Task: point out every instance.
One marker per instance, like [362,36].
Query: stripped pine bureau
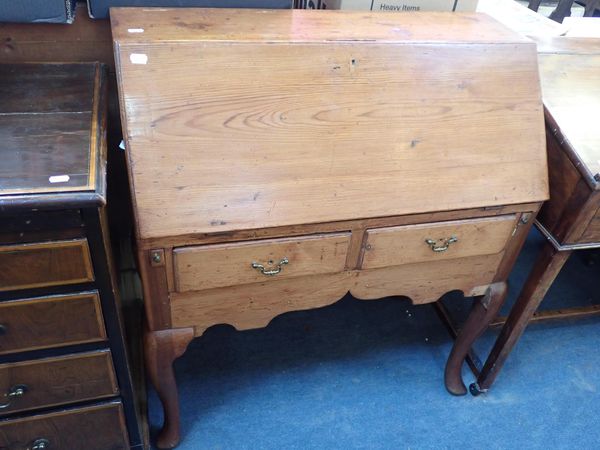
[281,159]
[64,376]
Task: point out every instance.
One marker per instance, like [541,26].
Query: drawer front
[98,427]
[211,266]
[56,381]
[45,264]
[409,244]
[50,322]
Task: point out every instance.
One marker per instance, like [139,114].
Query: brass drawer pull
[40,444]
[444,246]
[16,391]
[270,272]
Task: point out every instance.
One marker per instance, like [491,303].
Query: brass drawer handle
[444,246]
[14,392]
[270,272]
[40,444]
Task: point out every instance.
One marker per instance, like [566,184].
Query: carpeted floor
[369,374]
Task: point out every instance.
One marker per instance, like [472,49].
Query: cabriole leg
[161,349]
[484,310]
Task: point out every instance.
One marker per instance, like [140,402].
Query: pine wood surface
[404,245]
[211,266]
[251,149]
[255,305]
[247,25]
[571,92]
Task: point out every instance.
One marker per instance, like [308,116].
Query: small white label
[138,58]
[59,179]
[135,30]
[122,145]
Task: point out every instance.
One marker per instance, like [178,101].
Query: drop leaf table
[281,159]
[570,220]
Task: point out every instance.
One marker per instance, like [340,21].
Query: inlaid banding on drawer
[45,264]
[57,381]
[97,427]
[408,244]
[211,266]
[53,321]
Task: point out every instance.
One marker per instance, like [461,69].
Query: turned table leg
[545,270]
[161,349]
[484,310]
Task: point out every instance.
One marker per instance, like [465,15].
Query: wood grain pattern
[213,266]
[206,24]
[572,98]
[394,246]
[338,120]
[98,427]
[45,264]
[83,40]
[60,380]
[331,227]
[564,177]
[592,232]
[52,321]
[255,305]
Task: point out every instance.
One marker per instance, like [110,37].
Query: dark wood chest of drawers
[64,375]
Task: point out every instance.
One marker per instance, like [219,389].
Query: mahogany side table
[570,220]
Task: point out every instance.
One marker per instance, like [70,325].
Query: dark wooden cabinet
[64,374]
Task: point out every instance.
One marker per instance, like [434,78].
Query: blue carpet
[369,375]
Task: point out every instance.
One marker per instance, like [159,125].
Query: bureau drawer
[211,266]
[50,322]
[408,244]
[44,264]
[56,381]
[98,427]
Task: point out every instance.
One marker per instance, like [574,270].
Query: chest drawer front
[211,266]
[56,381]
[45,264]
[409,244]
[99,427]
[50,322]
